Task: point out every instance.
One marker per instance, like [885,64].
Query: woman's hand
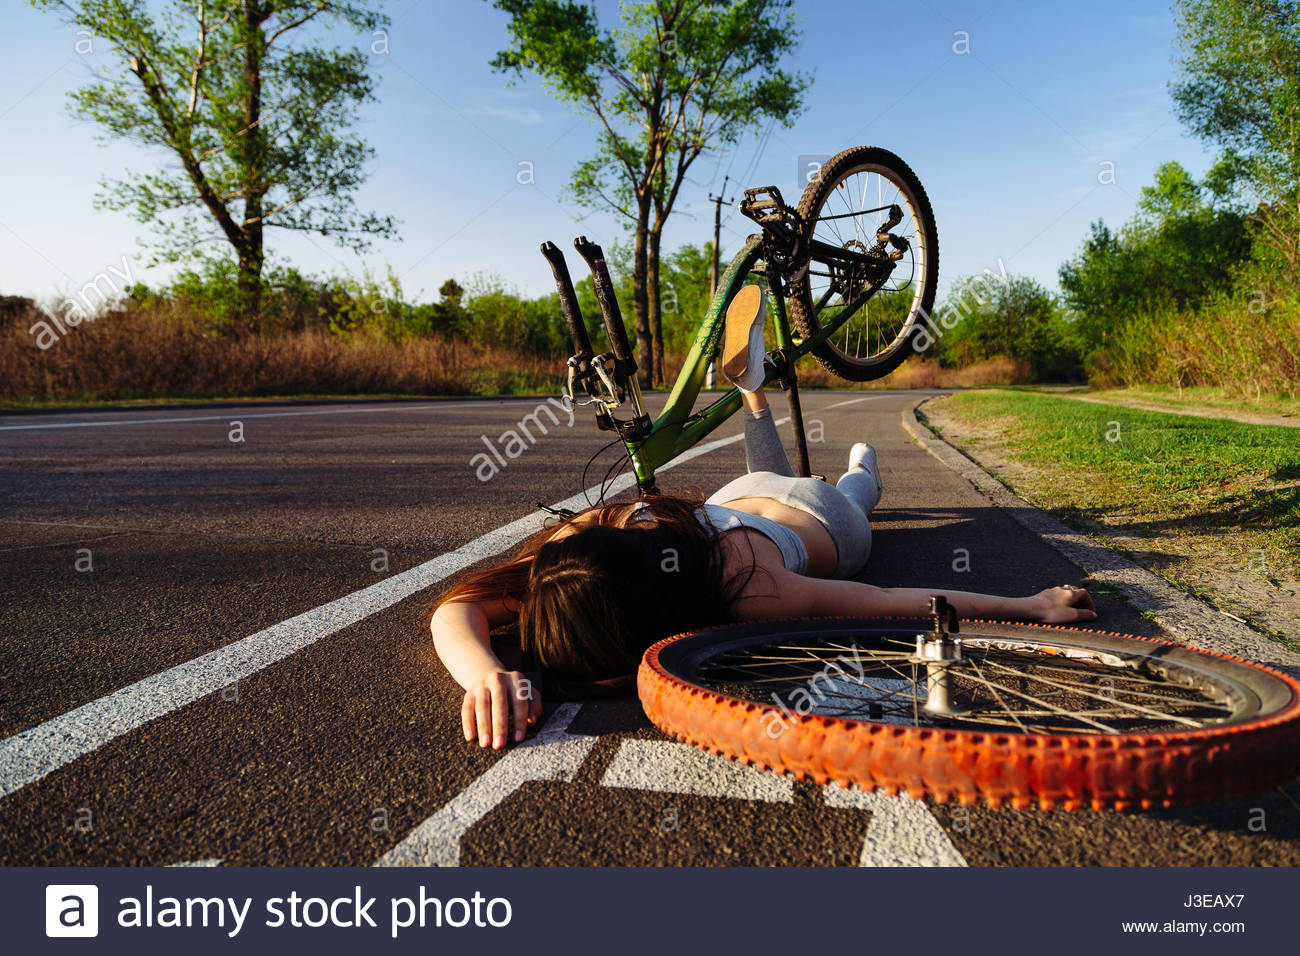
[493,700]
[1064,605]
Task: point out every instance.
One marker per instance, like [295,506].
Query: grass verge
[1213,506]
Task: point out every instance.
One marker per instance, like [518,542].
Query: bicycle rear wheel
[1051,716]
[846,206]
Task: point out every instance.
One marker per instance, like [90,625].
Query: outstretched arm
[807,596]
[493,695]
[775,592]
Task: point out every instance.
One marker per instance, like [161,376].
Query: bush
[1233,341]
[1015,320]
[1185,242]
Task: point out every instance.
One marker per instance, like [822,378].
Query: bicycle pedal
[763,204]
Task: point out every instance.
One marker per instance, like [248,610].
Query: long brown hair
[593,601]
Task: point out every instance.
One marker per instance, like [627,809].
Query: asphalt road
[214,651]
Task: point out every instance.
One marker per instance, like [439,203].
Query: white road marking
[216,861]
[902,831]
[670,767]
[236,413]
[552,755]
[33,753]
[853,401]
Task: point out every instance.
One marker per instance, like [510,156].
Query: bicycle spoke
[1024,689]
[1137,693]
[1015,717]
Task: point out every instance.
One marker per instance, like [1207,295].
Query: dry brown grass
[1225,344]
[924,373]
[134,355]
[150,354]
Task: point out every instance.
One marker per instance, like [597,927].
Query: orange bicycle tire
[1066,771]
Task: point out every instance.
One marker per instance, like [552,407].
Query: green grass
[1162,462]
[1212,506]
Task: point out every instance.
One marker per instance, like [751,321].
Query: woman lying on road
[591,595]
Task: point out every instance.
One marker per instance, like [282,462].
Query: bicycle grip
[609,309]
[569,302]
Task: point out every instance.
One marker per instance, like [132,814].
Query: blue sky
[1008,139]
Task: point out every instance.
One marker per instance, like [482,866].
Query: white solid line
[237,414]
[551,755]
[902,831]
[852,401]
[33,753]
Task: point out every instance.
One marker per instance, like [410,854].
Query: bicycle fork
[608,379]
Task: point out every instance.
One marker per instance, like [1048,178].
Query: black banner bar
[629,911]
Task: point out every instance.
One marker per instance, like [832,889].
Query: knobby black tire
[815,196]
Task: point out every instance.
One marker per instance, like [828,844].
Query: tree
[1018,319]
[255,129]
[1240,88]
[1185,242]
[679,78]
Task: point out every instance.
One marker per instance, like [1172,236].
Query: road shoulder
[1185,619]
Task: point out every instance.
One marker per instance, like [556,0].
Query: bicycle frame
[677,429]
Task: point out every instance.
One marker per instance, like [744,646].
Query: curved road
[214,652]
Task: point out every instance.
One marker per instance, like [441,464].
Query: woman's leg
[861,483]
[744,363]
[763,448]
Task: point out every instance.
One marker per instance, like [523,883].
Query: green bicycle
[857,263]
[999,712]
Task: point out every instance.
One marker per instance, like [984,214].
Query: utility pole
[710,377]
[717,230]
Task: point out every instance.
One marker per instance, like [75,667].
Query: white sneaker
[863,456]
[743,355]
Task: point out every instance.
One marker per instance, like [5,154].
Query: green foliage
[205,298]
[369,307]
[685,294]
[1237,341]
[447,317]
[685,78]
[1198,289]
[255,129]
[1181,246]
[1013,317]
[500,315]
[1240,88]
[677,78]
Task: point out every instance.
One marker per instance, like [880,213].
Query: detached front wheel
[1030,714]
